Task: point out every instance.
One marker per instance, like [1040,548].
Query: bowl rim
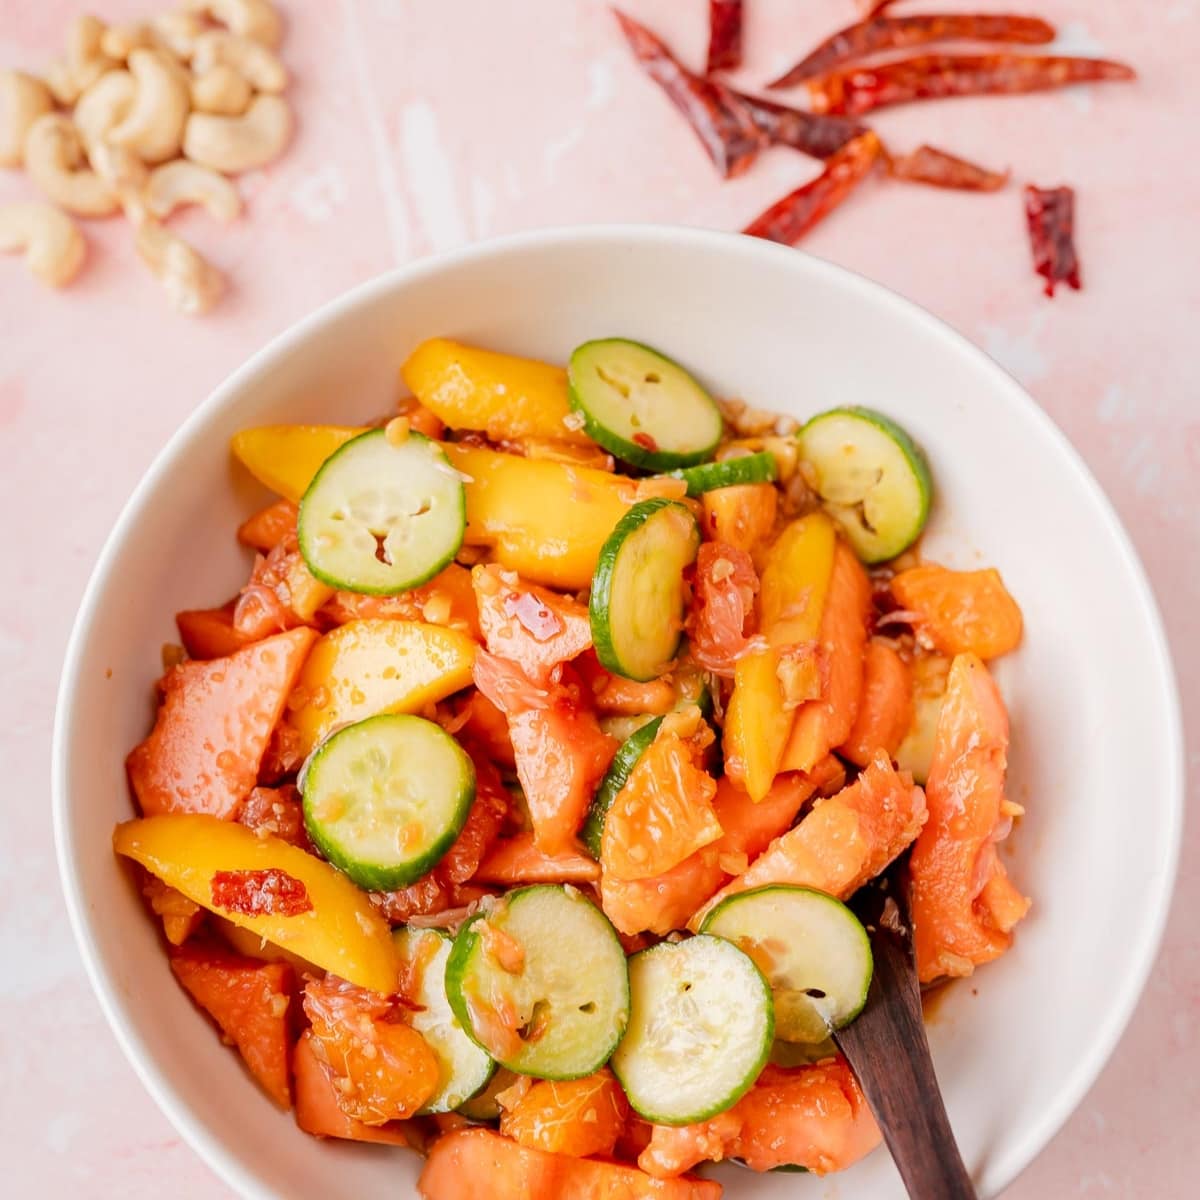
[1009,1161]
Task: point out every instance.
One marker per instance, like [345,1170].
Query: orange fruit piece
[580,1117]
[664,812]
[961,612]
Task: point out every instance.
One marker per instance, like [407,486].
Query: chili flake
[259,893]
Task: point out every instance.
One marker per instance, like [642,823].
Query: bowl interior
[1095,724]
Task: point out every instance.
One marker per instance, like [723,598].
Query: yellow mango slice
[794,585]
[375,666]
[286,457]
[507,398]
[342,932]
[545,520]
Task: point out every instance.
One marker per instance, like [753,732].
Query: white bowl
[1097,747]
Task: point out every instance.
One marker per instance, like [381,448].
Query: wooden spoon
[887,1049]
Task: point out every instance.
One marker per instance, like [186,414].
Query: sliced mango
[286,457]
[342,931]
[375,666]
[795,582]
[545,520]
[506,397]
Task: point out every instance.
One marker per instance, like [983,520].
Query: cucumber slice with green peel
[485,1106]
[700,1030]
[641,406]
[464,1065]
[385,798]
[871,477]
[812,949]
[615,778]
[380,517]
[552,963]
[624,727]
[637,599]
[693,685]
[729,472]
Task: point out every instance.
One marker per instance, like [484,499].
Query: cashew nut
[221,90]
[117,41]
[104,105]
[178,31]
[234,144]
[193,285]
[85,58]
[181,182]
[153,127]
[54,158]
[54,248]
[125,173]
[61,81]
[23,98]
[252,60]
[255,19]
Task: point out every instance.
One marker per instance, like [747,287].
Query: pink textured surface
[425,125]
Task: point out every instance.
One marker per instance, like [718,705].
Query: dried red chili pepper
[817,134]
[260,893]
[789,219]
[858,90]
[724,35]
[723,123]
[1050,214]
[869,8]
[927,164]
[877,34]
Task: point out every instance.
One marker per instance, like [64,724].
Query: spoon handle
[888,1051]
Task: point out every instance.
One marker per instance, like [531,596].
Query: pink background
[425,124]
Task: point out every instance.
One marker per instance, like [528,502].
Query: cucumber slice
[623,727]
[385,798]
[637,599]
[570,997]
[641,406]
[465,1066]
[871,477]
[700,1029]
[615,778]
[812,949]
[380,518]
[729,472]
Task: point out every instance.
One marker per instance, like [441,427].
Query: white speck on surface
[483,206]
[556,149]
[601,85]
[1020,353]
[1140,462]
[1074,37]
[318,196]
[61,1129]
[385,169]
[1114,405]
[430,177]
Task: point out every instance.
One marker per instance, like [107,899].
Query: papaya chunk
[251,1001]
[213,727]
[469,1163]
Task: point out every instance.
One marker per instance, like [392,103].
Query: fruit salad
[509,812]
